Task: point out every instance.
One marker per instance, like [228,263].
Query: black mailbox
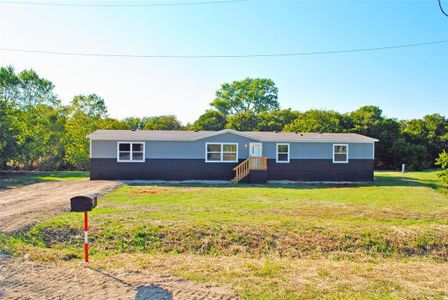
[83,203]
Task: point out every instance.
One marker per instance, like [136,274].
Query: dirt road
[27,205]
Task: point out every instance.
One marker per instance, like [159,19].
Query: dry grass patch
[282,278]
[154,190]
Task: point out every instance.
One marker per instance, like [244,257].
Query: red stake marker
[86,238]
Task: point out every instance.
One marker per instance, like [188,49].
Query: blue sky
[405,83]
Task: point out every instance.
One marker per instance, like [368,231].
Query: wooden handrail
[252,163]
[242,170]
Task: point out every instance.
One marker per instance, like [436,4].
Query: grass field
[385,239]
[10,180]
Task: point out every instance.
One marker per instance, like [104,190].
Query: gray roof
[262,136]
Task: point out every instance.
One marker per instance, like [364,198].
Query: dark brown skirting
[198,169]
[321,170]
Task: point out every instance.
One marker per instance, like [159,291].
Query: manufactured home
[228,154]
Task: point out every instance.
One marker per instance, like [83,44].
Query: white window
[130,152]
[282,153]
[221,152]
[340,153]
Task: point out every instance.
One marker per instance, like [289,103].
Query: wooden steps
[252,163]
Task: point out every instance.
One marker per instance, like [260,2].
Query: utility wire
[441,8]
[191,3]
[285,54]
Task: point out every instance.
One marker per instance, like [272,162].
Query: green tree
[245,121]
[392,150]
[39,141]
[188,126]
[239,97]
[91,105]
[365,117]
[430,131]
[34,90]
[415,156]
[76,144]
[110,123]
[135,123]
[26,89]
[442,161]
[167,122]
[315,120]
[38,119]
[275,120]
[210,120]
[9,82]
[8,133]
[87,114]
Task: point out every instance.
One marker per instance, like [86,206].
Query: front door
[255,149]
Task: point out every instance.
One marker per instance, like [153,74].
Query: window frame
[131,160]
[221,153]
[277,153]
[347,157]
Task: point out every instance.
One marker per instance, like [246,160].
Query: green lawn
[385,239]
[14,179]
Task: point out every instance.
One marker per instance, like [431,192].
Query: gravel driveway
[21,207]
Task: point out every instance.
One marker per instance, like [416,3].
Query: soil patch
[24,279]
[149,191]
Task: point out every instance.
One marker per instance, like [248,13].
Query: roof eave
[92,136]
[320,141]
[266,141]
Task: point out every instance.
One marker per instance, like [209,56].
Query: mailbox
[83,203]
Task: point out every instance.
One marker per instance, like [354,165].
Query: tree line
[38,132]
